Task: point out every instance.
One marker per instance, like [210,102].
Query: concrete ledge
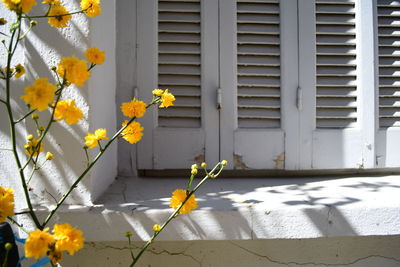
[245,209]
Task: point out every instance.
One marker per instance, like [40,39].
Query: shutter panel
[258,64]
[177,49]
[389,62]
[179,62]
[336,99]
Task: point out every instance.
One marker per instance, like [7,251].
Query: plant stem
[17,224]
[12,124]
[174,214]
[83,174]
[55,16]
[24,117]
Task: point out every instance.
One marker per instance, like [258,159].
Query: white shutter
[259,35]
[388,57]
[177,49]
[336,99]
[343,135]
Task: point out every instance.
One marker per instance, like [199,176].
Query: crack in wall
[313,263]
[99,247]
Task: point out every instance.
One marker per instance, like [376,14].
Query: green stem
[83,174]
[12,124]
[17,224]
[173,215]
[8,149]
[6,257]
[24,117]
[55,16]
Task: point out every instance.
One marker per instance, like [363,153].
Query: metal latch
[219,98]
[299,98]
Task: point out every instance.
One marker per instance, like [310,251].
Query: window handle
[219,98]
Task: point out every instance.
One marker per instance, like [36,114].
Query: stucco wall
[43,48]
[341,251]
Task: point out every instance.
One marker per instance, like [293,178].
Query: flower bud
[224,163]
[8,246]
[49,156]
[194,171]
[128,234]
[35,116]
[34,22]
[29,137]
[3,21]
[53,68]
[41,128]
[194,166]
[203,165]
[157,228]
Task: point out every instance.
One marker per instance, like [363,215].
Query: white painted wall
[42,49]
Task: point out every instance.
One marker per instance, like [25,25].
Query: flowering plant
[42,244]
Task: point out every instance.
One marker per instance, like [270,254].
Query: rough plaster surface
[42,49]
[341,251]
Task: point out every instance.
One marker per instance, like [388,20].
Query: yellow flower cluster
[68,111]
[65,238]
[40,94]
[133,133]
[23,6]
[178,196]
[134,108]
[6,203]
[166,98]
[95,55]
[91,7]
[32,148]
[58,16]
[74,70]
[92,140]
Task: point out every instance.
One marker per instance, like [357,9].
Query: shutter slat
[336,98]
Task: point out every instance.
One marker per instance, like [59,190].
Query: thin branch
[24,117]
[54,16]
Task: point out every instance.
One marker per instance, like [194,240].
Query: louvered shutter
[258,33]
[388,57]
[177,38]
[344,116]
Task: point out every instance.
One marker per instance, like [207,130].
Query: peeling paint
[280,161]
[200,158]
[238,162]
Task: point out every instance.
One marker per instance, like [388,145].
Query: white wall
[43,48]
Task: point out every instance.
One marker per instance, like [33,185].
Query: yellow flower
[178,196]
[40,94]
[6,203]
[68,111]
[20,5]
[32,149]
[55,256]
[73,70]
[133,133]
[95,55]
[20,70]
[135,108]
[52,2]
[92,7]
[68,238]
[58,21]
[158,92]
[93,139]
[37,244]
[49,156]
[157,228]
[167,99]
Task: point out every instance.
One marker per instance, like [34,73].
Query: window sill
[248,208]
